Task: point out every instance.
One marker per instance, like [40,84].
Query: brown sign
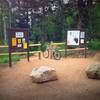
[18,41]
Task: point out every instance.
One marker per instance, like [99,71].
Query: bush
[44,46]
[5,59]
[94,45]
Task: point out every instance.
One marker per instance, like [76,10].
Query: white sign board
[19,34]
[73,37]
[82,41]
[82,34]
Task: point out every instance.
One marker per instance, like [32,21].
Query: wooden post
[66,45]
[9,50]
[10,58]
[66,49]
[50,51]
[28,55]
[85,55]
[28,49]
[39,49]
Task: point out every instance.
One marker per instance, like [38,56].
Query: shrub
[94,45]
[5,59]
[44,46]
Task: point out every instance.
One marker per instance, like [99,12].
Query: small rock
[43,74]
[93,71]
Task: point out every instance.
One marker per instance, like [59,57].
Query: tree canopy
[50,19]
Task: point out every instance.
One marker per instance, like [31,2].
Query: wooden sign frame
[85,41]
[84,44]
[18,40]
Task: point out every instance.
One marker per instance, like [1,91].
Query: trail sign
[73,37]
[82,38]
[76,38]
[18,40]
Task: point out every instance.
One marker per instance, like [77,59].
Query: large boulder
[93,71]
[43,74]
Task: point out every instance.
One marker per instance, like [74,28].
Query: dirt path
[15,83]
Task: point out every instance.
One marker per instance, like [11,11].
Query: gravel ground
[73,84]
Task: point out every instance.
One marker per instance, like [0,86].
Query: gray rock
[43,74]
[93,71]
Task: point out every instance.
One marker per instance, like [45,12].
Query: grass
[5,59]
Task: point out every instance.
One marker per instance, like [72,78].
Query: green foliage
[49,27]
[34,48]
[44,46]
[94,21]
[94,45]
[45,29]
[35,32]
[3,50]
[50,24]
[1,42]
[15,58]
[62,46]
[69,21]
[4,20]
[5,59]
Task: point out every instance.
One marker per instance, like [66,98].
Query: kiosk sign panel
[82,37]
[18,40]
[73,37]
[77,38]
